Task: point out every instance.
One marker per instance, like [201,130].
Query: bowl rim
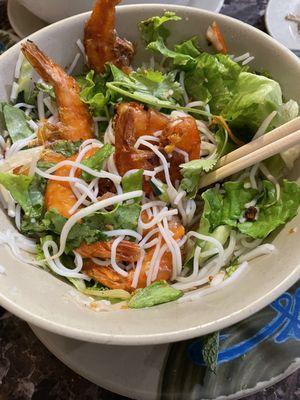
[171,336]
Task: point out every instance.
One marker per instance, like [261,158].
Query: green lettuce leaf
[189,47]
[255,97]
[192,172]
[180,60]
[213,80]
[96,161]
[157,293]
[93,91]
[225,208]
[16,123]
[27,191]
[25,82]
[272,213]
[65,147]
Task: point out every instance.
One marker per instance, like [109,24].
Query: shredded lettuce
[16,123]
[157,293]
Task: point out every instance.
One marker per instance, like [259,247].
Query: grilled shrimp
[110,278]
[132,121]
[60,196]
[181,134]
[101,42]
[75,120]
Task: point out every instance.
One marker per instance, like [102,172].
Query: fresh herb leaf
[192,172]
[66,147]
[16,123]
[81,232]
[154,28]
[96,161]
[157,293]
[93,91]
[133,181]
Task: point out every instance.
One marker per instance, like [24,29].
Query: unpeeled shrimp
[110,278]
[75,120]
[101,42]
[132,120]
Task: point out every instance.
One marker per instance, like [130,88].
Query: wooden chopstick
[270,137]
[259,150]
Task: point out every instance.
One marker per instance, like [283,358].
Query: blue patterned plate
[254,354]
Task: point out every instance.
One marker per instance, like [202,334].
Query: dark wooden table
[29,371]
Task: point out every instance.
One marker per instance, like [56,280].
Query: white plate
[24,22]
[282,30]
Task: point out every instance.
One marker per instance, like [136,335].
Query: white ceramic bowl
[55,10]
[44,300]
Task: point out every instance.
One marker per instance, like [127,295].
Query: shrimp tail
[48,70]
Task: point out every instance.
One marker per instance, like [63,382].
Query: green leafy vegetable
[255,97]
[191,173]
[154,27]
[81,232]
[93,91]
[148,86]
[96,161]
[157,293]
[123,216]
[273,214]
[189,47]
[115,294]
[133,182]
[213,80]
[210,350]
[16,123]
[27,191]
[25,83]
[227,208]
[66,147]
[47,89]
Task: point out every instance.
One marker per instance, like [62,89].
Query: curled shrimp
[101,42]
[110,278]
[181,134]
[59,196]
[132,120]
[75,120]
